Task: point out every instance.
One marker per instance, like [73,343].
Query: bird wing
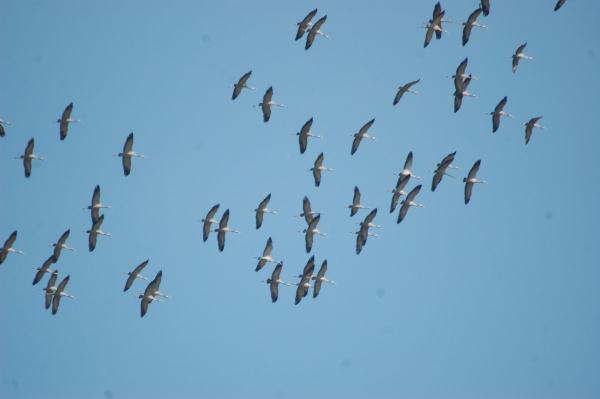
[59,244]
[319,279]
[126,159]
[395,198]
[309,268]
[134,274]
[263,204]
[474,169]
[462,67]
[409,161]
[144,305]
[399,94]
[306,210]
[500,106]
[355,143]
[64,123]
[95,215]
[402,182]
[51,283]
[93,235]
[2,131]
[96,195]
[302,289]
[366,127]
[275,282]
[10,240]
[221,240]
[360,240]
[57,294]
[485,7]
[42,270]
[369,218]
[403,211]
[259,219]
[457,100]
[244,79]
[468,191]
[495,121]
[466,32]
[521,48]
[127,147]
[268,247]
[559,4]
[224,220]
[308,239]
[437,10]
[303,142]
[515,63]
[207,221]
[437,178]
[413,193]
[428,35]
[355,201]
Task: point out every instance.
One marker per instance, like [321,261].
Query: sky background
[497,299]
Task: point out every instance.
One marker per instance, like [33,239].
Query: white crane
[8,247]
[65,120]
[314,31]
[310,231]
[135,274]
[362,134]
[355,206]
[406,88]
[152,293]
[50,289]
[128,153]
[208,221]
[28,155]
[60,245]
[304,134]
[440,170]
[223,229]
[94,232]
[498,112]
[41,271]
[408,202]
[530,125]
[241,84]
[262,209]
[304,25]
[59,293]
[518,55]
[318,168]
[96,205]
[266,256]
[471,180]
[471,22]
[267,103]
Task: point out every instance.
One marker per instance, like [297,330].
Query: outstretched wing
[64,121]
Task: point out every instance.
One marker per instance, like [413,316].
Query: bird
[275,280]
[266,256]
[497,113]
[59,293]
[440,170]
[318,168]
[222,229]
[60,245]
[304,134]
[320,278]
[96,204]
[50,289]
[518,55]
[356,205]
[437,10]
[28,155]
[363,233]
[94,232]
[305,279]
[406,88]
[2,124]
[151,293]
[368,221]
[471,179]
[307,213]
[310,231]
[398,191]
[460,75]
[135,274]
[362,134]
[41,271]
[407,170]
[485,7]
[65,120]
[559,4]
[471,22]
[305,24]
[262,209]
[314,31]
[530,125]
[241,84]
[462,92]
[208,221]
[434,25]
[8,247]
[267,103]
[128,153]
[408,202]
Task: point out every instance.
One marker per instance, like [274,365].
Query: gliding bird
[41,271]
[60,245]
[310,231]
[96,205]
[208,221]
[529,126]
[471,179]
[59,293]
[314,31]
[362,134]
[406,88]
[304,134]
[7,248]
[50,289]
[408,202]
[151,293]
[318,168]
[518,55]
[434,25]
[262,209]
[241,84]
[65,120]
[266,104]
[356,205]
[275,280]
[28,156]
[320,279]
[94,232]
[135,274]
[304,25]
[266,256]
[128,153]
[440,170]
[497,113]
[223,228]
[468,26]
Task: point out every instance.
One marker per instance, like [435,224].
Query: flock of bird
[307,279]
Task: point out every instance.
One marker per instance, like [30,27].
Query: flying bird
[304,25]
[518,55]
[59,293]
[406,88]
[318,168]
[363,233]
[462,92]
[128,153]
[314,31]
[28,156]
[275,280]
[208,221]
[65,120]
[50,289]
[310,231]
[440,170]
[408,202]
[320,278]
[151,293]
[559,4]
[307,212]
[8,247]
[267,103]
[497,113]
[304,134]
[434,25]
[60,245]
[262,209]
[223,228]
[529,126]
[41,271]
[94,232]
[485,7]
[266,256]
[471,179]
[461,74]
[135,274]
[96,205]
[471,22]
[398,191]
[241,84]
[356,205]
[304,284]
[407,170]
[362,134]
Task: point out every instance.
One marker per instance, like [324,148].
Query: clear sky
[497,299]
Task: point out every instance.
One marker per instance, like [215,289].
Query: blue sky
[496,299]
